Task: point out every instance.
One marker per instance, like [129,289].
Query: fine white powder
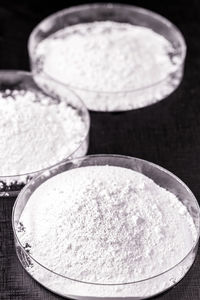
[105,224]
[36,131]
[109,57]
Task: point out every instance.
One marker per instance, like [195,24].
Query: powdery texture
[109,57]
[106,224]
[36,131]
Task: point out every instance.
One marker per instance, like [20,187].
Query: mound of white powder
[105,224]
[109,57]
[36,131]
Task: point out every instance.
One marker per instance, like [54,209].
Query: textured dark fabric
[167,133]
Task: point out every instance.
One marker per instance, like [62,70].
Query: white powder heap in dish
[108,57]
[36,131]
[105,224]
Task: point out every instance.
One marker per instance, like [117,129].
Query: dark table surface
[167,133]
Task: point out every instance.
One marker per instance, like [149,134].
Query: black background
[167,133]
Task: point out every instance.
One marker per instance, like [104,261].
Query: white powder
[109,57]
[106,224]
[36,131]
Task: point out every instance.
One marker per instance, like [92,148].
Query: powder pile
[105,224]
[109,57]
[36,131]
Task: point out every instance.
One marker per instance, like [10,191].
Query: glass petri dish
[72,288]
[112,100]
[20,80]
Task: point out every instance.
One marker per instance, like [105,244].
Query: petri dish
[76,289]
[126,98]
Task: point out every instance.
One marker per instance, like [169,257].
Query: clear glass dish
[20,80]
[145,95]
[75,289]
